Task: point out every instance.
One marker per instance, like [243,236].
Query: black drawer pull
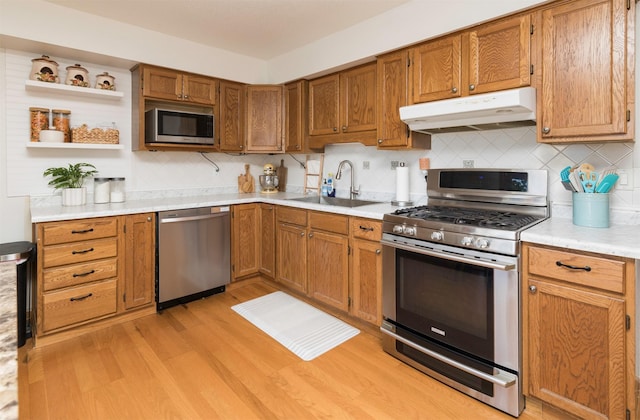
[84,274]
[82,231]
[370,229]
[84,251]
[573,267]
[88,295]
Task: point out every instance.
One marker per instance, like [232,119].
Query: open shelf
[39,145]
[37,86]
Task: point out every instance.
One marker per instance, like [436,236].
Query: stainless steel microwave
[180,127]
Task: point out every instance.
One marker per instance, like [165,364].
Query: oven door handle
[504,380]
[458,258]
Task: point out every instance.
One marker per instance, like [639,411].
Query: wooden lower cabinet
[579,341]
[268,240]
[91,270]
[291,248]
[332,258]
[328,259]
[140,259]
[245,240]
[366,270]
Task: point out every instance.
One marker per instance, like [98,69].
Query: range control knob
[467,241]
[482,243]
[410,230]
[398,229]
[437,236]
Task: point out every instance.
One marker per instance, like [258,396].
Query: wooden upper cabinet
[265,119]
[343,107]
[230,122]
[587,57]
[172,85]
[295,117]
[490,57]
[324,108]
[393,92]
[500,55]
[358,99]
[436,68]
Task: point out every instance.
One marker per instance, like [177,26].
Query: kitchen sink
[334,201]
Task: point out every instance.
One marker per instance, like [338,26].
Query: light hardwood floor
[204,361]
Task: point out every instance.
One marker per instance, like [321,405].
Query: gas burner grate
[494,219]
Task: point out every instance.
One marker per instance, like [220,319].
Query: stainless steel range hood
[503,109]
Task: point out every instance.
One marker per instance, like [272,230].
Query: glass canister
[117,190]
[61,122]
[101,190]
[39,121]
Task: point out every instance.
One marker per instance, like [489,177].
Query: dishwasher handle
[190,218]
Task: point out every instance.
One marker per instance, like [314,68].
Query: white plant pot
[74,196]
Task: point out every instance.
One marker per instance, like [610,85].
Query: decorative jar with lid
[44,70]
[105,81]
[77,76]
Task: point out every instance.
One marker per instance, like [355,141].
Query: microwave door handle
[452,257]
[502,379]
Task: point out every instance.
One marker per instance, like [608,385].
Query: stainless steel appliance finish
[193,254]
[451,283]
[178,126]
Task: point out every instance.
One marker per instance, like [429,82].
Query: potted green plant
[70,180]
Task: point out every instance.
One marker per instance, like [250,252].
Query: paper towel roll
[402,183]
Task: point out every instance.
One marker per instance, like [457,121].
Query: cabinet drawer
[73,275]
[78,252]
[292,215]
[591,271]
[329,222]
[81,230]
[78,304]
[366,229]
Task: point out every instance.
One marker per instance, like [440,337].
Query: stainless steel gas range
[451,280]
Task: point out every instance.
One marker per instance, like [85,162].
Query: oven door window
[447,301]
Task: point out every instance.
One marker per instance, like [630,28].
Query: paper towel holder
[399,203]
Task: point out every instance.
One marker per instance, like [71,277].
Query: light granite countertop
[46,212]
[8,341]
[617,239]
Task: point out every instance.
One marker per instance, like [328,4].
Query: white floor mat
[306,331]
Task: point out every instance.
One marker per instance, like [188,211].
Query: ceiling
[262,29]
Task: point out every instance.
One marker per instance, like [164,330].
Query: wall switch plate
[394,164]
[467,163]
[365,164]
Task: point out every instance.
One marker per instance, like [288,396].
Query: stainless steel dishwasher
[194,254]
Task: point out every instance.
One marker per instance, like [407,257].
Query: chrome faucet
[352,191]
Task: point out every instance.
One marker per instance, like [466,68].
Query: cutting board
[246,182]
[281,171]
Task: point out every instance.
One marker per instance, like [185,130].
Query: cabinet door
[200,90]
[436,69]
[393,90]
[295,109]
[329,268]
[358,99]
[268,240]
[264,119]
[584,70]
[230,123]
[246,240]
[366,281]
[500,55]
[324,105]
[291,256]
[140,262]
[577,350]
[161,84]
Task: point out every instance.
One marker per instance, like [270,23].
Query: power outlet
[365,165]
[467,163]
[394,164]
